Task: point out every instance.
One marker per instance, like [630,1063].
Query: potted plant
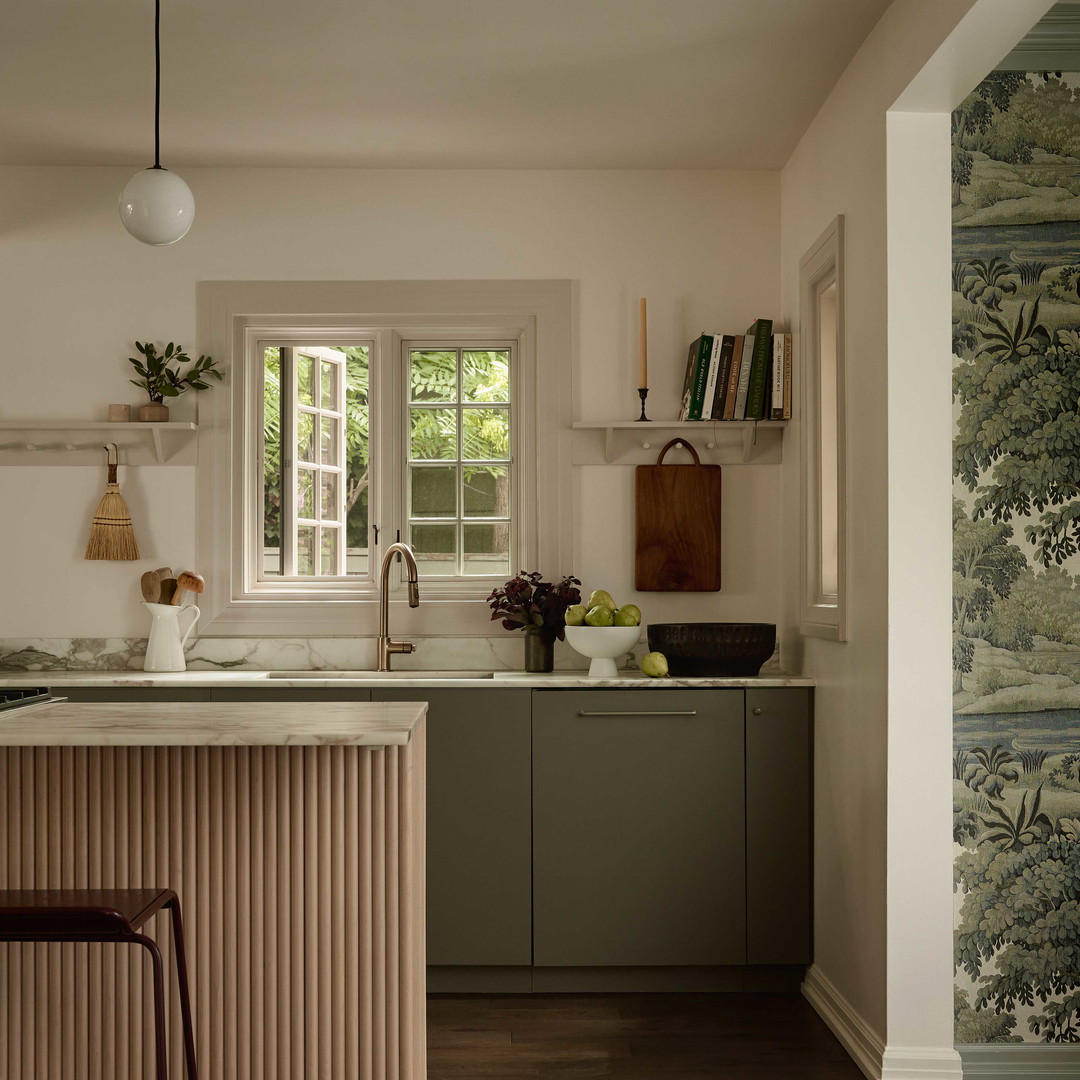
[539,608]
[160,380]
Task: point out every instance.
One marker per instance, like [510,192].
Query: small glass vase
[539,650]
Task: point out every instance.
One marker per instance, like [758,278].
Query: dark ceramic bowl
[705,648]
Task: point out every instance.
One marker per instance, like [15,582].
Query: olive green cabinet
[479,840]
[639,826]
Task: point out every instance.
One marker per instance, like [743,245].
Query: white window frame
[823,612]
[236,318]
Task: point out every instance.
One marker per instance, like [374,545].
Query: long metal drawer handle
[625,712]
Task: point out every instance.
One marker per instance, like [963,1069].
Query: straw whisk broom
[112,536]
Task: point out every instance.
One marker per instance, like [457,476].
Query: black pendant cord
[157,84]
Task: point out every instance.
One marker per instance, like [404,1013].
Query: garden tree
[1021,914]
[985,565]
[433,378]
[980,1027]
[1039,114]
[1018,418]
[974,122]
[1045,604]
[961,171]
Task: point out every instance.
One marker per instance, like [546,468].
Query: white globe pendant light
[156,206]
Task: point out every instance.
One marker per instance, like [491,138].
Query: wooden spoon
[151,587]
[168,590]
[164,572]
[188,580]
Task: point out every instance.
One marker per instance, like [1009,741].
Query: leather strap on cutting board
[678,525]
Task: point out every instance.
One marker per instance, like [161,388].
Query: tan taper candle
[643,374]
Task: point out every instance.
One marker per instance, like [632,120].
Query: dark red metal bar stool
[106,915]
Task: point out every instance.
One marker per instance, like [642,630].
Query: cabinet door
[479,873]
[132,693]
[778,826]
[273,693]
[638,839]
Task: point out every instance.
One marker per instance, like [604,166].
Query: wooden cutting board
[678,525]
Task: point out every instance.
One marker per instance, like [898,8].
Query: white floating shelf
[723,442]
[79,442]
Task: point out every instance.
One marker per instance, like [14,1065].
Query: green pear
[575,614]
[654,665]
[599,616]
[628,615]
[601,598]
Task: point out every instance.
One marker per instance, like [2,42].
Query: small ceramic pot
[153,413]
[539,650]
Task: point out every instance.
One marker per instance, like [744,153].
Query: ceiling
[671,84]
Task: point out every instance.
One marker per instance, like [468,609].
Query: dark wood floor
[631,1037]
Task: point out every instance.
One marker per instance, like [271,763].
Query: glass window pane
[357,452]
[433,375]
[271,562]
[328,442]
[435,547]
[433,434]
[305,436]
[485,375]
[305,493]
[329,550]
[433,491]
[305,550]
[486,491]
[328,385]
[486,434]
[305,367]
[328,501]
[487,549]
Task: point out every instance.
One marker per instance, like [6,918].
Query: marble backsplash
[283,654]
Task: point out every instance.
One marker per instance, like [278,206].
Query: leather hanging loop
[685,445]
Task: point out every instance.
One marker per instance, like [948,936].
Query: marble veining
[212,723]
[503,653]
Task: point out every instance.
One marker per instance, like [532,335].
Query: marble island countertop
[211,723]
[269,680]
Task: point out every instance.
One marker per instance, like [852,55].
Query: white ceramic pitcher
[165,649]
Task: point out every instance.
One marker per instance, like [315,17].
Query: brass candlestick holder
[643,393]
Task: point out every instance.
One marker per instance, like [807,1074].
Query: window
[342,433]
[822,398]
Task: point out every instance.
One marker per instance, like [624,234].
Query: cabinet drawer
[638,828]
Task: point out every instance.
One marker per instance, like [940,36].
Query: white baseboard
[857,1037]
[921,1063]
[862,1042]
[1020,1061]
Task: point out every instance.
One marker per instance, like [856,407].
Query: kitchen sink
[381,675]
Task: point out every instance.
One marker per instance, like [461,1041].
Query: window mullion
[288,460]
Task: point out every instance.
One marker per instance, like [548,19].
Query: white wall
[883,933]
[76,290]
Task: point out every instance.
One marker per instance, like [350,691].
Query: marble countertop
[250,678]
[211,723]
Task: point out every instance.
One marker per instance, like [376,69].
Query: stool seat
[104,915]
[80,913]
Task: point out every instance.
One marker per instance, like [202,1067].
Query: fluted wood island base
[294,835]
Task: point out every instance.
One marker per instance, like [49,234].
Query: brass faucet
[385,645]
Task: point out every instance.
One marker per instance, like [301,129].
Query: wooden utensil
[164,572]
[151,587]
[188,580]
[678,525]
[168,590]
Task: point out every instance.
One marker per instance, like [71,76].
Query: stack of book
[739,376]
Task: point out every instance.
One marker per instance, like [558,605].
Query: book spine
[701,372]
[710,381]
[744,377]
[727,346]
[776,405]
[759,377]
[733,378]
[787,377]
[688,382]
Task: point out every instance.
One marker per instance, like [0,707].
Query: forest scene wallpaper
[1016,558]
